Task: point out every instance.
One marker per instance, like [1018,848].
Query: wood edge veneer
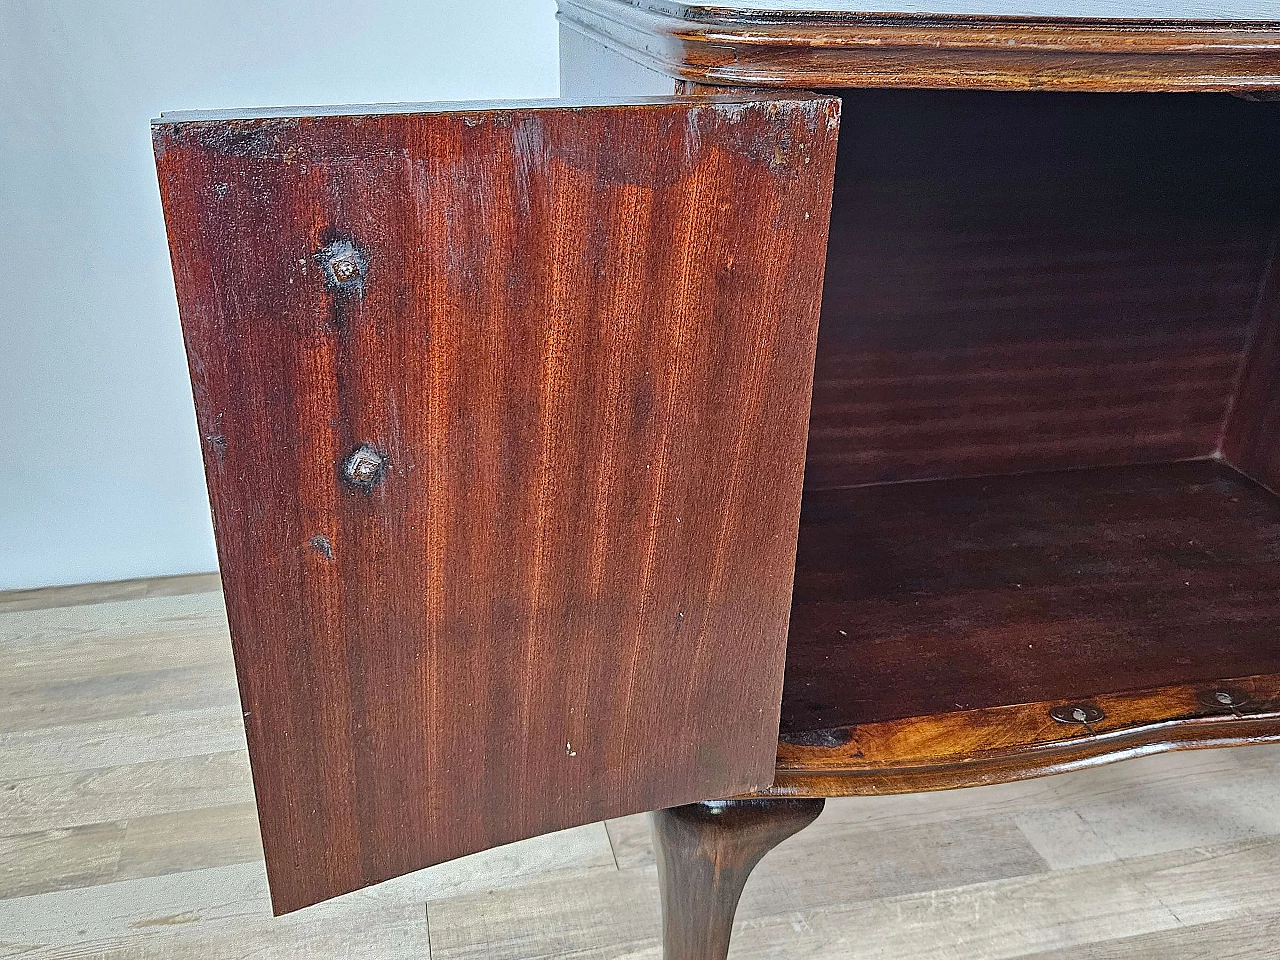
[735,46]
[1001,744]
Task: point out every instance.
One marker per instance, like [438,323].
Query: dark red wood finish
[1016,282]
[969,748]
[705,853]
[932,598]
[1251,440]
[1037,281]
[574,348]
[789,46]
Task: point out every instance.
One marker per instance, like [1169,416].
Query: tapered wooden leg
[705,853]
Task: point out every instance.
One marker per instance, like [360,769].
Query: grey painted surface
[99,458]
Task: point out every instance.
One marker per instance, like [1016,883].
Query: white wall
[100,475]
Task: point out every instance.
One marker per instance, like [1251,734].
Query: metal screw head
[344,266]
[1077,713]
[345,269]
[364,468]
[1224,697]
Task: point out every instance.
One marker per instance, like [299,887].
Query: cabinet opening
[1045,434]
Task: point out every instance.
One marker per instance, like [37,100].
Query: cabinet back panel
[1020,282]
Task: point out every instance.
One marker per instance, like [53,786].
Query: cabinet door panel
[504,416]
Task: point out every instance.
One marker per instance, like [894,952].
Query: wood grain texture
[43,598]
[1076,863]
[71,857]
[575,345]
[84,797]
[867,849]
[705,853]
[724,44]
[1037,282]
[137,739]
[219,913]
[97,668]
[931,598]
[1000,744]
[1144,11]
[1240,938]
[915,893]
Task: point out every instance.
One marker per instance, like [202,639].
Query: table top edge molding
[1022,741]
[752,47]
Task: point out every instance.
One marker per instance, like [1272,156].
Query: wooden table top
[1074,9]
[1083,45]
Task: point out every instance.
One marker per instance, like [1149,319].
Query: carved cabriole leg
[705,853]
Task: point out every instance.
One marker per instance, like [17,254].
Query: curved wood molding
[743,47]
[999,744]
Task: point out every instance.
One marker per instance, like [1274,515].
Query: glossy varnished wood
[999,744]
[705,853]
[1038,281]
[573,347]
[746,46]
[1029,283]
[931,598]
[1108,296]
[1251,438]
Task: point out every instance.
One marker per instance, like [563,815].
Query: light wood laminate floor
[127,829]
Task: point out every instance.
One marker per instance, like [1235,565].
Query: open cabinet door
[504,416]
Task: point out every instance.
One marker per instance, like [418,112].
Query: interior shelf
[918,599]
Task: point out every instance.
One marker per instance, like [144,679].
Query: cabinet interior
[1046,413]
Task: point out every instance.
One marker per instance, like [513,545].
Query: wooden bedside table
[510,411]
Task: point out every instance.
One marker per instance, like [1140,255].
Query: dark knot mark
[831,737]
